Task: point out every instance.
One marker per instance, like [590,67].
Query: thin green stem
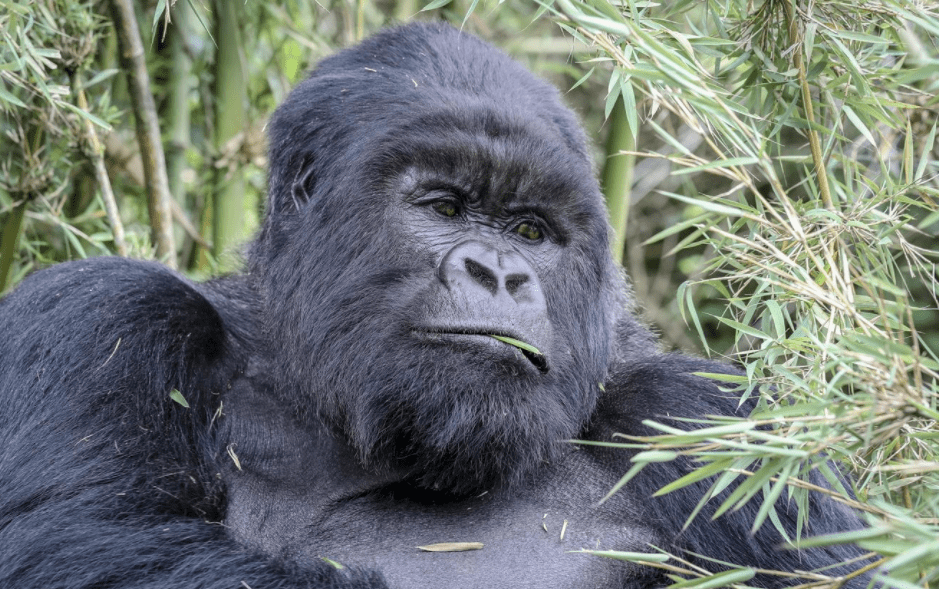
[808,105]
[95,152]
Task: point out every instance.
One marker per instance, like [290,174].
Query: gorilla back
[428,314]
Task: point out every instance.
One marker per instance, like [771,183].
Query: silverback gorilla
[361,391]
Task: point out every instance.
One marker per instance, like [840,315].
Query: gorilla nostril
[482,275]
[513,282]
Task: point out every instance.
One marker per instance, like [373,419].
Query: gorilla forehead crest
[411,83]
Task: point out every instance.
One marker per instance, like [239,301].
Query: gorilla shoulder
[92,309]
[91,354]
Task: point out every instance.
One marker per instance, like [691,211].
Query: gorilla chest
[521,538]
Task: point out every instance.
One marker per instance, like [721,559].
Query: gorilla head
[423,200]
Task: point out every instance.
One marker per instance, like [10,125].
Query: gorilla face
[426,221]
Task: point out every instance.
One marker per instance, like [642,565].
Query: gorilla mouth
[530,352]
[490,337]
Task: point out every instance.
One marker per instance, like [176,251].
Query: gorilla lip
[529,351]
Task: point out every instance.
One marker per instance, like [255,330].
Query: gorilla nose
[473,266]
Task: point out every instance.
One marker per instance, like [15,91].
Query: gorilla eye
[445,208]
[529,231]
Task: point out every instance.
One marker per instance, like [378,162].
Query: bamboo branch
[815,145]
[126,157]
[148,129]
[95,153]
[179,215]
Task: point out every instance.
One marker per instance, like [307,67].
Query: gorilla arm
[104,476]
[662,387]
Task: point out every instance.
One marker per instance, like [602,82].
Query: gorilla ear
[304,182]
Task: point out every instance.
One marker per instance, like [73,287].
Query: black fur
[345,401]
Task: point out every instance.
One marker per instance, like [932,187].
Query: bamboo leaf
[724,579]
[638,557]
[451,547]
[517,343]
[178,397]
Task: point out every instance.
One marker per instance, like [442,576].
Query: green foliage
[42,45]
[819,120]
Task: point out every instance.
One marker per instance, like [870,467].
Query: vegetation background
[770,166]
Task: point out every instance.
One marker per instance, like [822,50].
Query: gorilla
[385,397]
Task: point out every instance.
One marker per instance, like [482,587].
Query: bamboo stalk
[406,9]
[31,143]
[12,226]
[178,95]
[617,177]
[178,118]
[148,129]
[229,90]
